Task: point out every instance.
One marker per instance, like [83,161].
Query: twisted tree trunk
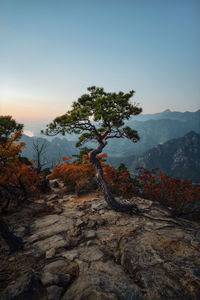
[130,208]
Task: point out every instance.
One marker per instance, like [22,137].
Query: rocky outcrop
[90,252]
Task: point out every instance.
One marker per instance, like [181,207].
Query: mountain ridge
[35,127]
[168,114]
[151,132]
[178,157]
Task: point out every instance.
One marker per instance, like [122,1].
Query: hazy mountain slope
[152,133]
[172,115]
[55,149]
[177,157]
[35,127]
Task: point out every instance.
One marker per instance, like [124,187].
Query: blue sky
[52,50]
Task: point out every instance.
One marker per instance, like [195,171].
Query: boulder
[54,292]
[40,247]
[57,266]
[103,282]
[26,287]
[21,231]
[49,278]
[53,183]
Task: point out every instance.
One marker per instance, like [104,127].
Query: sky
[52,50]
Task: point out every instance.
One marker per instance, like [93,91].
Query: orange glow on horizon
[30,115]
[31,110]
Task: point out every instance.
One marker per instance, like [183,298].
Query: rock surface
[91,252]
[26,285]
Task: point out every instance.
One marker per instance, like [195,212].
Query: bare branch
[40,148]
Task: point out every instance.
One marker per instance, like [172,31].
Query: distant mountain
[54,149]
[171,115]
[155,129]
[34,127]
[177,157]
[152,133]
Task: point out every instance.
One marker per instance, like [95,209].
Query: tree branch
[106,132]
[113,136]
[94,129]
[118,135]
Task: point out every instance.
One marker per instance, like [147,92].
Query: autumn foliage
[74,175]
[120,181]
[181,195]
[18,179]
[78,176]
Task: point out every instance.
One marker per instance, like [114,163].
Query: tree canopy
[98,115]
[8,126]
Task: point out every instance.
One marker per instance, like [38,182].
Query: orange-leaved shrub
[80,176]
[18,180]
[180,194]
[74,175]
[120,181]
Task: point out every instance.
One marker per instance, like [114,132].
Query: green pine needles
[97,115]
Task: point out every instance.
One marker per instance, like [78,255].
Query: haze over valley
[166,133]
